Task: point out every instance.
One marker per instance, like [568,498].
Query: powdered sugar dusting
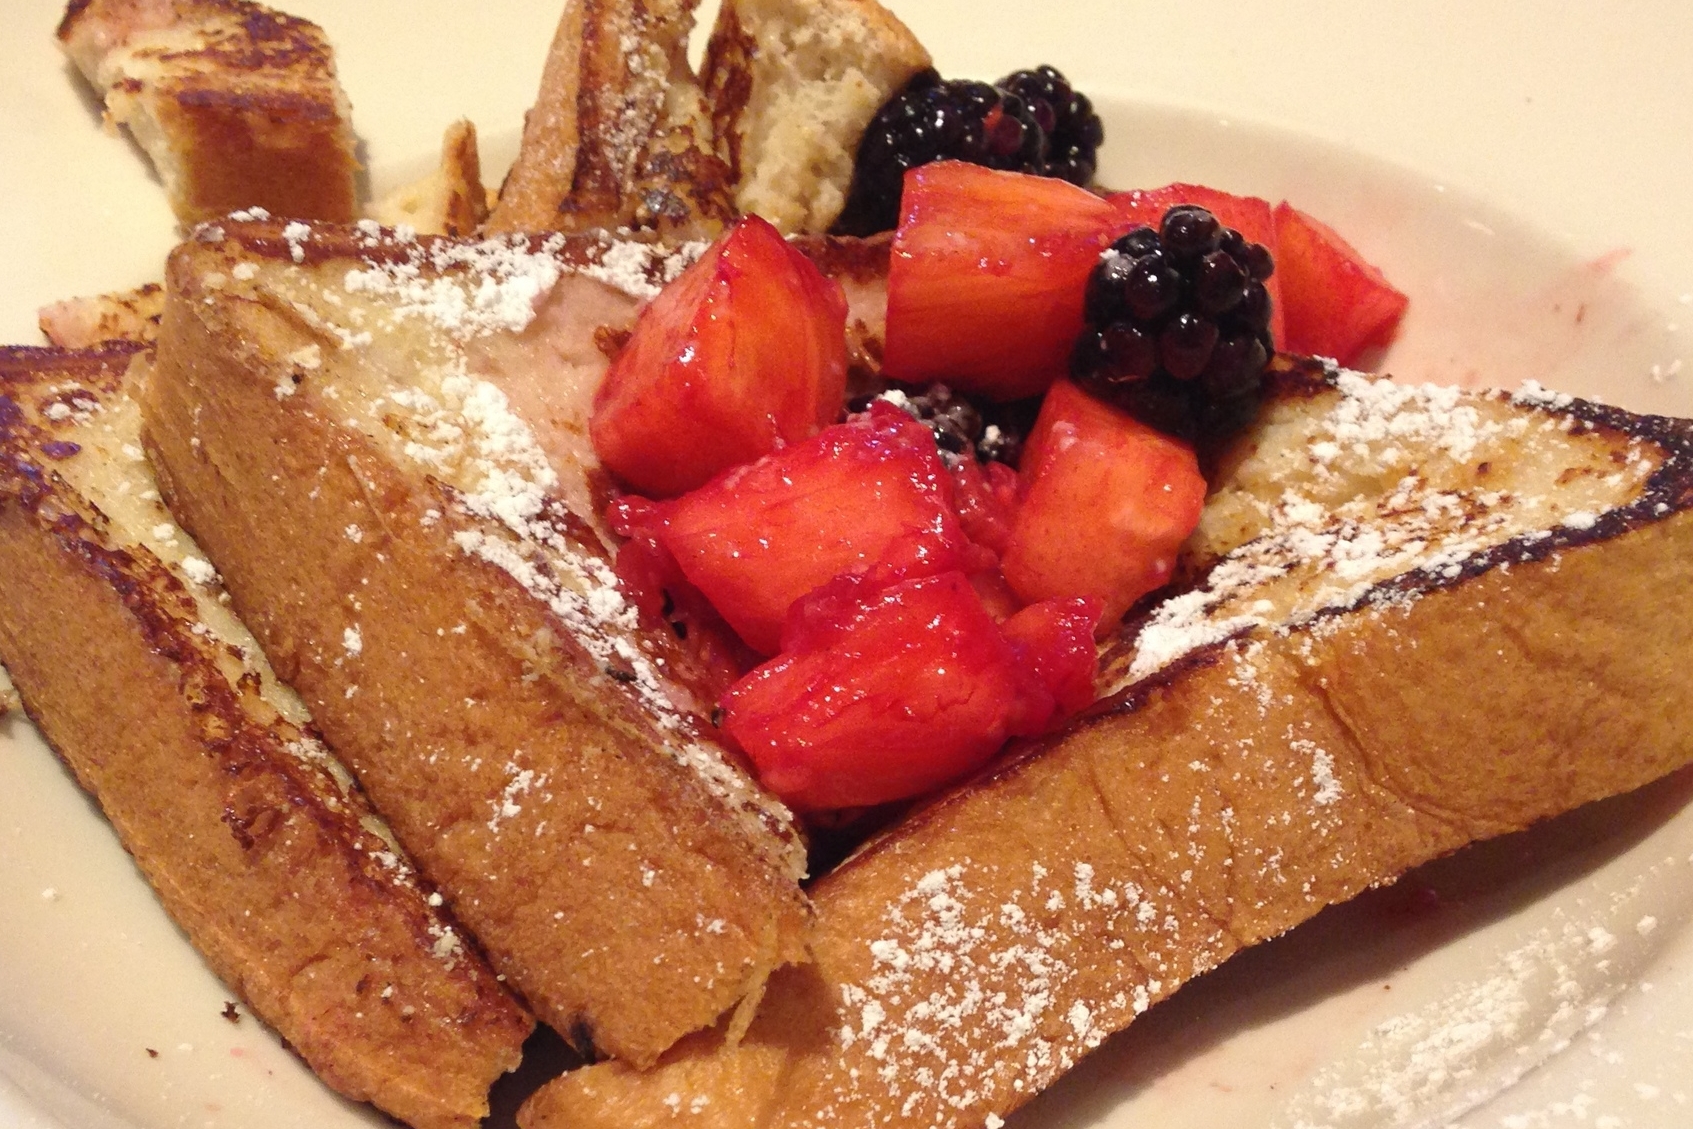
[1388,481]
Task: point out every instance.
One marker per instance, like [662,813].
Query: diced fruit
[1107,502]
[1056,638]
[986,280]
[867,493]
[1178,321]
[1030,121]
[742,353]
[883,697]
[1249,215]
[1337,304]
[986,496]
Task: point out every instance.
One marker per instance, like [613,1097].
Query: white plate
[1520,171]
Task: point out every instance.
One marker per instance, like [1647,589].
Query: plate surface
[1520,171]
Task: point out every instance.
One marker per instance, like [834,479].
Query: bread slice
[792,86]
[256,840]
[619,136]
[236,104]
[349,422]
[450,200]
[84,323]
[1423,617]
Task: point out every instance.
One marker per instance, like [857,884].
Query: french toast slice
[256,840]
[236,104]
[351,423]
[84,323]
[792,86]
[1418,618]
[620,135]
[450,199]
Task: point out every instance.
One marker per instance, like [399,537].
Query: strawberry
[746,350]
[1249,215]
[1107,502]
[987,275]
[1337,304]
[883,695]
[867,493]
[1055,639]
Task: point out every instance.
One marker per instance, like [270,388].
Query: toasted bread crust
[606,881]
[450,200]
[237,104]
[254,848]
[975,952]
[619,136]
[84,323]
[792,86]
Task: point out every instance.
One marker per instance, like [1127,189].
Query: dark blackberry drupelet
[932,120]
[1073,131]
[962,425]
[1178,325]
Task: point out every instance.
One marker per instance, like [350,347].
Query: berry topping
[1178,323]
[884,693]
[1108,502]
[746,350]
[1073,131]
[1338,305]
[986,278]
[866,495]
[1030,122]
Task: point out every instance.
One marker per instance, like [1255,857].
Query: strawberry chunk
[986,280]
[883,696]
[1338,305]
[870,493]
[746,350]
[1055,639]
[1249,215]
[1108,501]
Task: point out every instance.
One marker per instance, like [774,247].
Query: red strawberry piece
[865,494]
[1108,501]
[987,276]
[1249,215]
[883,697]
[1337,304]
[1055,638]
[746,350]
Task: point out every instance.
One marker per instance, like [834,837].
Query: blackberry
[1178,325]
[1073,131]
[961,425]
[931,120]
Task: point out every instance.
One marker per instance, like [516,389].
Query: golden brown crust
[969,956]
[83,323]
[618,136]
[448,201]
[255,849]
[604,878]
[237,104]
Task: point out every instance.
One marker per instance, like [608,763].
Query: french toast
[620,135]
[347,421]
[792,85]
[450,200]
[236,104]
[256,840]
[1416,618]
[8,694]
[83,323]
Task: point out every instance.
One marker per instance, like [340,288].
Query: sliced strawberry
[882,698]
[987,276]
[867,493]
[1337,304]
[1249,215]
[1055,638]
[986,495]
[1108,502]
[743,352]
